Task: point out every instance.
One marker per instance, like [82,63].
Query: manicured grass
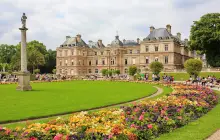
[166,90]
[54,98]
[199,129]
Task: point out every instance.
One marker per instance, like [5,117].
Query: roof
[95,45]
[157,33]
[72,41]
[130,43]
[116,42]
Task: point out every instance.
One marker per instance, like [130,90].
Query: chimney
[124,41]
[151,28]
[138,40]
[169,28]
[100,42]
[67,37]
[78,37]
[179,35]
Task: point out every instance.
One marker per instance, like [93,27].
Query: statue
[23,20]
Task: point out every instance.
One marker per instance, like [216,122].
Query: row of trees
[192,66]
[38,57]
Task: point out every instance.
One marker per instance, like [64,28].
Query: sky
[50,21]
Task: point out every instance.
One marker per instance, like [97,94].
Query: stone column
[23,75]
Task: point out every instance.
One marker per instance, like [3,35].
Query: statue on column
[23,20]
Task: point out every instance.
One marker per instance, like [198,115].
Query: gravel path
[215,136]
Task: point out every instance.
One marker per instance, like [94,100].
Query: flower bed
[142,120]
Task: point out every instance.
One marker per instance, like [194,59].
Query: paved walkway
[215,136]
[158,92]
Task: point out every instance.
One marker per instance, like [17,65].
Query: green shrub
[104,72]
[156,67]
[36,71]
[132,70]
[193,67]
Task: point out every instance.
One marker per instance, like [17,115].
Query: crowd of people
[8,78]
[210,81]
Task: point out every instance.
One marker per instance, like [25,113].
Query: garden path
[215,136]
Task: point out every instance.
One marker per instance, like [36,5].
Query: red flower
[33,138]
[141,117]
[150,126]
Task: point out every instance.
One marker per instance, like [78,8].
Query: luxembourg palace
[76,58]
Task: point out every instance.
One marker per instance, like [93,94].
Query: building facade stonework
[76,58]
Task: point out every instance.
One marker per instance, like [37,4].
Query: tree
[104,72]
[54,71]
[35,58]
[132,70]
[6,53]
[193,67]
[156,67]
[117,72]
[36,71]
[4,66]
[205,37]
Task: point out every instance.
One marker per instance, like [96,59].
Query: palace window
[112,61]
[95,53]
[166,59]
[138,51]
[130,51]
[96,71]
[103,61]
[66,62]
[166,48]
[147,60]
[96,62]
[156,59]
[72,62]
[126,61]
[101,53]
[146,48]
[133,61]
[156,48]
[60,63]
[90,63]
[72,52]
[126,70]
[90,71]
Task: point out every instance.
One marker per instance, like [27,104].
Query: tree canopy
[132,70]
[193,67]
[205,37]
[37,56]
[156,67]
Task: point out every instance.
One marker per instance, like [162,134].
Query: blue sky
[49,21]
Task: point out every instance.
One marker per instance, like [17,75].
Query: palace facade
[76,58]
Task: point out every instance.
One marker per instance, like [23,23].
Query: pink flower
[33,138]
[58,137]
[110,136]
[1,128]
[141,117]
[150,126]
[133,125]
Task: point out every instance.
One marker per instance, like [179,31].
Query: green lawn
[54,98]
[199,129]
[166,90]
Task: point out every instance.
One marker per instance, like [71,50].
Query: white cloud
[50,21]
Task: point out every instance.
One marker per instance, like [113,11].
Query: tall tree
[6,53]
[205,37]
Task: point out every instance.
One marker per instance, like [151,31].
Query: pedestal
[24,81]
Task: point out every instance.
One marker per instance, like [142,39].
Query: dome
[116,42]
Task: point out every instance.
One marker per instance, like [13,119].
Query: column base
[24,81]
